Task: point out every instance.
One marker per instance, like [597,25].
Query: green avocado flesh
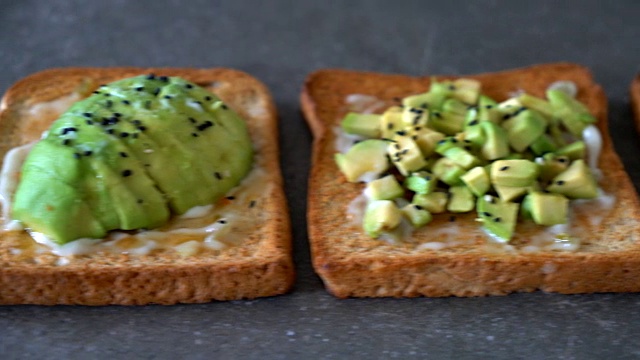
[128,157]
[455,150]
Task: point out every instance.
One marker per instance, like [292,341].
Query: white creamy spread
[563,237]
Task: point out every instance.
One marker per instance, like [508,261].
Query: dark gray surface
[280,43]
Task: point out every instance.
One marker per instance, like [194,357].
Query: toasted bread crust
[352,265]
[259,266]
[634,96]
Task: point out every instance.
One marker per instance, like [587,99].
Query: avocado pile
[128,157]
[454,149]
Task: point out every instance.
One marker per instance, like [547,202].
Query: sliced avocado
[366,158]
[547,209]
[417,215]
[435,202]
[367,125]
[573,151]
[405,154]
[514,173]
[576,182]
[421,182]
[540,105]
[496,145]
[447,143]
[385,188]
[461,199]
[488,110]
[525,128]
[448,171]
[391,121]
[477,180]
[462,157]
[510,193]
[472,129]
[497,217]
[380,216]
[426,139]
[551,165]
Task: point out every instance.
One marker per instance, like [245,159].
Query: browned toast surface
[634,94]
[260,265]
[353,265]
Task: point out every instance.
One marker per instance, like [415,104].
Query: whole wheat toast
[634,95]
[354,265]
[260,265]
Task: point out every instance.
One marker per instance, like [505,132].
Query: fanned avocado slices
[129,156]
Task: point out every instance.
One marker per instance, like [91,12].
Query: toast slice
[354,265]
[634,95]
[259,264]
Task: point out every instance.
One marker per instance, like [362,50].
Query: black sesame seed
[188,86]
[87,114]
[224,107]
[487,214]
[123,154]
[151,77]
[222,221]
[89,122]
[124,134]
[111,131]
[194,134]
[66,142]
[164,79]
[468,148]
[96,92]
[428,178]
[452,218]
[417,207]
[142,128]
[126,173]
[414,137]
[389,126]
[467,141]
[442,142]
[437,114]
[192,120]
[231,197]
[217,175]
[473,122]
[139,88]
[167,96]
[77,155]
[506,116]
[560,182]
[498,219]
[424,105]
[156,91]
[401,133]
[140,201]
[88,153]
[488,106]
[68,130]
[454,140]
[117,114]
[126,102]
[562,160]
[207,98]
[504,168]
[417,128]
[108,103]
[252,203]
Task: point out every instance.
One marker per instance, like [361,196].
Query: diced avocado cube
[421,182]
[472,129]
[576,182]
[514,173]
[466,90]
[447,143]
[406,155]
[547,209]
[510,193]
[543,144]
[461,199]
[417,215]
[477,180]
[551,165]
[435,202]
[450,120]
[426,139]
[414,117]
[540,105]
[391,122]
[574,115]
[431,100]
[527,126]
[367,125]
[497,217]
[380,216]
[573,151]
[448,171]
[496,145]
[461,157]
[385,188]
[488,110]
[365,159]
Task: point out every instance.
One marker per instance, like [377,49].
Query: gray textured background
[280,42]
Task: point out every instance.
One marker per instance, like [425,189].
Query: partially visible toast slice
[354,265]
[634,95]
[260,265]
